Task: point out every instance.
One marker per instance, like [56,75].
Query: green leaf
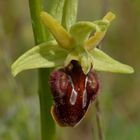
[103,62]
[69,13]
[45,55]
[81,30]
[55,8]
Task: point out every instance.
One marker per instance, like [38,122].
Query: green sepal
[82,56]
[102,25]
[103,62]
[45,55]
[86,62]
[81,31]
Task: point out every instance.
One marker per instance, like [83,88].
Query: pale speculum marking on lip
[73,92]
[73,96]
[85,94]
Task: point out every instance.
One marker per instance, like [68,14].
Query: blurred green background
[119,94]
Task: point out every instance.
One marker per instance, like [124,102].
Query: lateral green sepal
[45,55]
[103,62]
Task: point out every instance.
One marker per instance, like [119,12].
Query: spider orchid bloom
[73,91]
[74,55]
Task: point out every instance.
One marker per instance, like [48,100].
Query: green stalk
[48,128]
[38,28]
[47,123]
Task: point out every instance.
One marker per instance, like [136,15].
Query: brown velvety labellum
[72,91]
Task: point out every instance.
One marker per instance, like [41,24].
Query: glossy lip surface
[72,91]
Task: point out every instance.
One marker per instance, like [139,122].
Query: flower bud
[73,91]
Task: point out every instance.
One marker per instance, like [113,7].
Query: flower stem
[38,28]
[47,123]
[48,128]
[60,9]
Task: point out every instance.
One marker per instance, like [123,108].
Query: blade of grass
[99,120]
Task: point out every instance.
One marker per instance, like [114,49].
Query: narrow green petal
[45,55]
[95,40]
[109,16]
[60,34]
[55,8]
[81,31]
[101,28]
[103,62]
